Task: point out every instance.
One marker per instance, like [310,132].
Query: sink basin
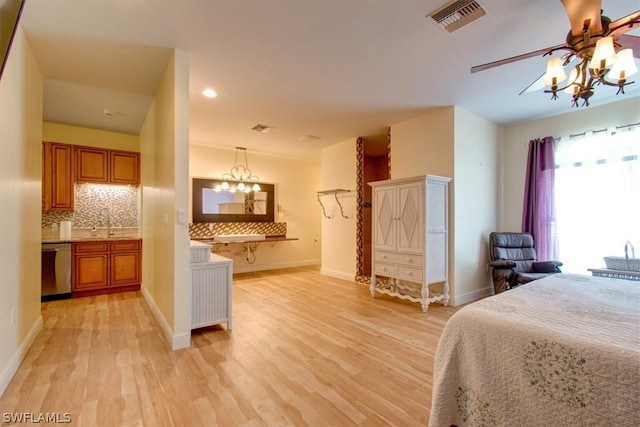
[238,237]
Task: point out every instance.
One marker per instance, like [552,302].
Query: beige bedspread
[561,351]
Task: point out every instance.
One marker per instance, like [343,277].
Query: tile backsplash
[122,202]
[209,229]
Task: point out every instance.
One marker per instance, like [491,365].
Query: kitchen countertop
[91,235]
[89,239]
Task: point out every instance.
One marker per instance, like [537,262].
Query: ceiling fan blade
[538,84]
[535,86]
[622,25]
[582,11]
[630,42]
[539,52]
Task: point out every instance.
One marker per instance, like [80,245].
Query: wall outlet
[13,315]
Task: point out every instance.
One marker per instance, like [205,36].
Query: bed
[563,350]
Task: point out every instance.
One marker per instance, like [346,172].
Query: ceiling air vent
[262,128]
[457,14]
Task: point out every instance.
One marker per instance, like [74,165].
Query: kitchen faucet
[626,250]
[108,220]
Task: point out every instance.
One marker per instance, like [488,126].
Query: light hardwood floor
[305,349]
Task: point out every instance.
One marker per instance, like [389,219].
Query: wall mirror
[211,204]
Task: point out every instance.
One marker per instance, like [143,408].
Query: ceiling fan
[604,52]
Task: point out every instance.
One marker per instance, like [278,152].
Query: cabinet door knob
[384,257]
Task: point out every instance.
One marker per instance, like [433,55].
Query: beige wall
[165,168]
[296,182]
[517,137]
[20,192]
[475,197]
[339,168]
[79,135]
[423,145]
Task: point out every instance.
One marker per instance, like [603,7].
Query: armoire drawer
[399,258]
[385,269]
[409,273]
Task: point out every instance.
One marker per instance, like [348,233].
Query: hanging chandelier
[241,173]
[599,65]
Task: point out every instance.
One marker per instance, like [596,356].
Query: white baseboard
[338,274]
[470,297]
[251,268]
[16,360]
[181,341]
[175,341]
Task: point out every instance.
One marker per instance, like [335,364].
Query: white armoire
[411,239]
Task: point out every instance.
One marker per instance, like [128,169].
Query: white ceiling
[335,69]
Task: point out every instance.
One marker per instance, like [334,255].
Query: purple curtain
[539,209]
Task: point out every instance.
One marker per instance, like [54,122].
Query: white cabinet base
[410,291]
[211,291]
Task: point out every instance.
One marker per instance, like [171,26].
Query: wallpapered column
[360,188]
[360,278]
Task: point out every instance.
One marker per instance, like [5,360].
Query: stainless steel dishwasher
[56,271]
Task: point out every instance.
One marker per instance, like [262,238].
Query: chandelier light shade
[625,65]
[555,73]
[604,55]
[575,76]
[240,172]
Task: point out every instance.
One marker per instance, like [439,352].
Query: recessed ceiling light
[309,138]
[209,93]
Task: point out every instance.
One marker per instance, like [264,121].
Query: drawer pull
[409,260]
[384,268]
[384,257]
[409,273]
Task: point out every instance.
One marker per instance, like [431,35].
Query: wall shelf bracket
[335,193]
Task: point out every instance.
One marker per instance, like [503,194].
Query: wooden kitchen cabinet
[103,166]
[124,167]
[104,267]
[92,165]
[125,263]
[57,177]
[90,265]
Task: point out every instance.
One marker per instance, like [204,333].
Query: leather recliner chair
[514,261]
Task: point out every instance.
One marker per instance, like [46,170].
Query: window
[597,190]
